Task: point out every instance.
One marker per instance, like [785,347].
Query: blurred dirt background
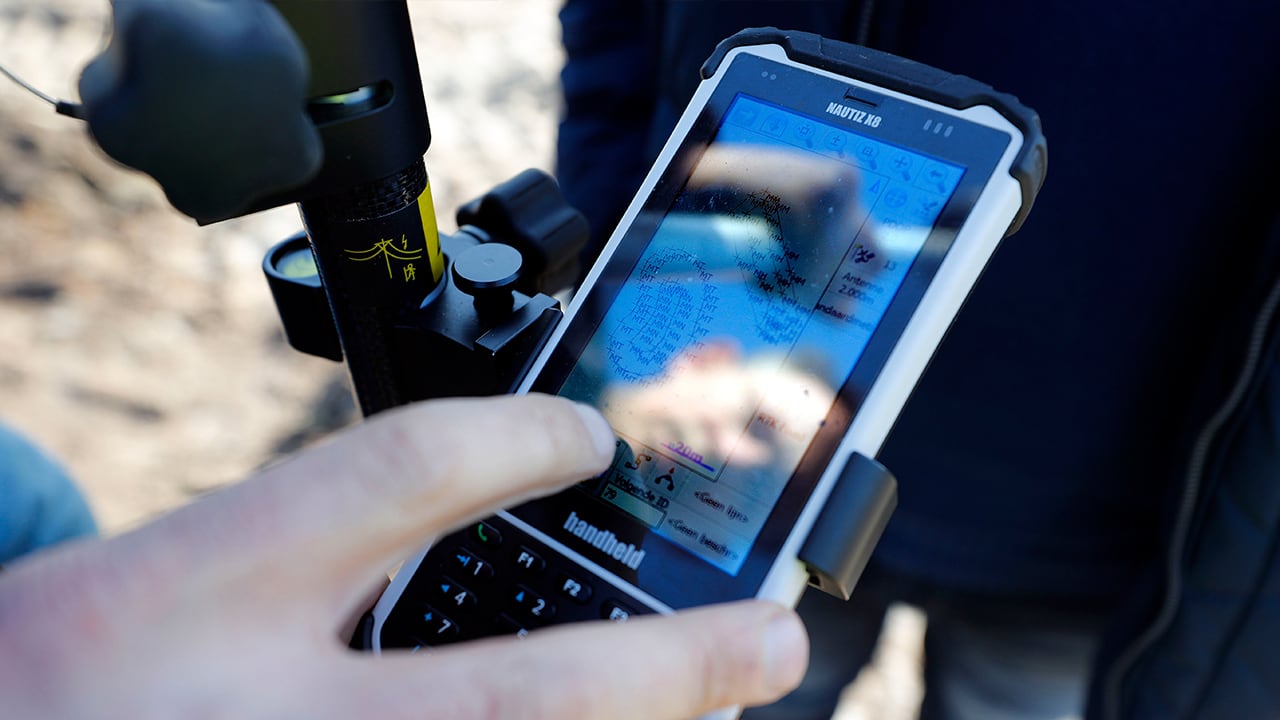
[144,352]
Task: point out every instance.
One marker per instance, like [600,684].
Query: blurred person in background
[1088,507]
[40,506]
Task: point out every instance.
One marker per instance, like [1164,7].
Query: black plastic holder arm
[849,526]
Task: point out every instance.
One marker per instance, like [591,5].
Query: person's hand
[231,606]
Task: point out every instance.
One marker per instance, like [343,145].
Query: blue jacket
[39,504]
[1060,449]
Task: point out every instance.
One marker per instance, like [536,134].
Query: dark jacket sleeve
[630,68]
[608,83]
[1205,645]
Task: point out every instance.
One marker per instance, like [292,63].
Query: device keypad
[533,607]
[485,535]
[573,588]
[529,561]
[437,626]
[473,584]
[616,611]
[466,563]
[453,593]
[506,625]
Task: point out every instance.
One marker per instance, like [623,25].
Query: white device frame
[975,241]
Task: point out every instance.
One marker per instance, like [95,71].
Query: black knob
[529,213]
[488,273]
[209,98]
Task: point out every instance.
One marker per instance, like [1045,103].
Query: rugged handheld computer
[758,318]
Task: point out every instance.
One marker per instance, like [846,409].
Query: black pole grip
[208,98]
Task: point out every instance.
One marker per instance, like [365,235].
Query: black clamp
[478,330]
[849,526]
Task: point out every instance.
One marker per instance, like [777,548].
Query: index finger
[337,515]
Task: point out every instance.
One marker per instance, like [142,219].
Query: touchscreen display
[726,344]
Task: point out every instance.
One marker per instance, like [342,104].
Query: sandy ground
[144,351]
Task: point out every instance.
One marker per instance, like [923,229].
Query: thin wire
[47,98]
[62,107]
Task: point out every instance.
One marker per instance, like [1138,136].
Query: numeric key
[532,606]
